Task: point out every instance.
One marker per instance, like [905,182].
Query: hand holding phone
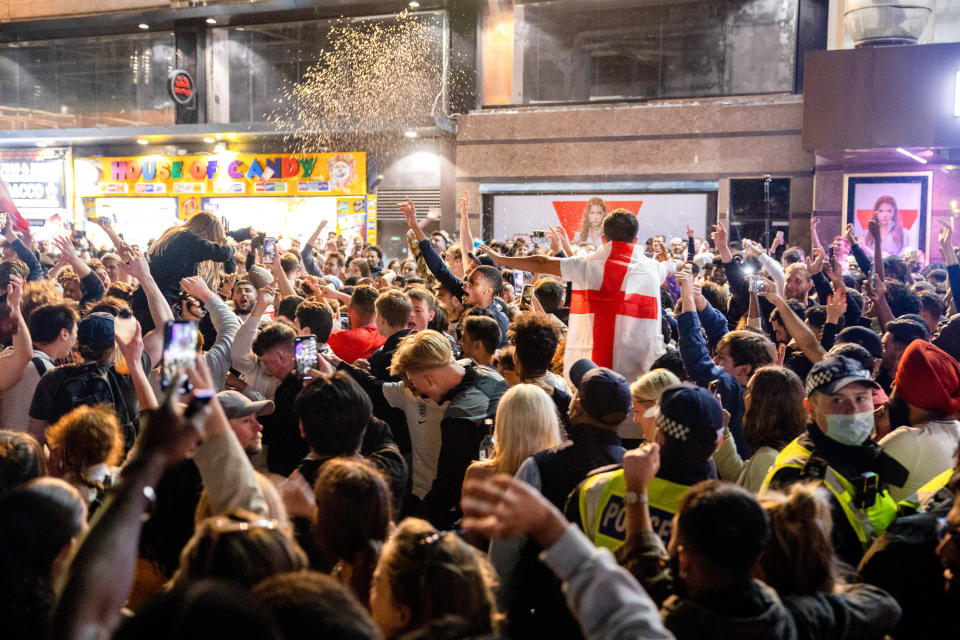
[180,339]
[305,354]
[269,250]
[526,298]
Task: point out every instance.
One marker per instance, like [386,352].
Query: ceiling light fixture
[410,133]
[209,140]
[142,141]
[144,26]
[414,4]
[211,21]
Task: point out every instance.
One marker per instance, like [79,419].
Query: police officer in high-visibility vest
[836,449]
[689,423]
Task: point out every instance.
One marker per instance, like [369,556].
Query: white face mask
[850,428]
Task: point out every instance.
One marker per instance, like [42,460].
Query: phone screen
[517,283]
[526,299]
[269,250]
[179,349]
[305,353]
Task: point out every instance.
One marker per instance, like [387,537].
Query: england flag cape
[615,309]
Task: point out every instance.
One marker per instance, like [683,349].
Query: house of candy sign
[232,174]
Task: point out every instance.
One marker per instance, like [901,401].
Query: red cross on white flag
[615,309]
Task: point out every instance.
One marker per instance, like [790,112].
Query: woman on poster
[593,216]
[891,233]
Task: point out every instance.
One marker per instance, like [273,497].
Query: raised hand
[134,262]
[660,253]
[197,287]
[409,211]
[719,236]
[848,233]
[690,232]
[503,507]
[131,349]
[836,305]
[815,261]
[781,356]
[873,226]
[945,237]
[640,466]
[496,257]
[15,292]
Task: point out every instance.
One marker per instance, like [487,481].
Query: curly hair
[535,340]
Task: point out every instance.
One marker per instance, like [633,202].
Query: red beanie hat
[929,378]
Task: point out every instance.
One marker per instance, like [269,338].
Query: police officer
[689,422]
[836,449]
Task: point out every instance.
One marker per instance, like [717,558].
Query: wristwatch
[632,497]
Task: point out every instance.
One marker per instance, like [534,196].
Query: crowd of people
[584,435]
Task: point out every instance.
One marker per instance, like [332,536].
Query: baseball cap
[237,405]
[834,373]
[95,330]
[690,414]
[603,393]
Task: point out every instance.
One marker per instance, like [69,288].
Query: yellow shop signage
[235,174]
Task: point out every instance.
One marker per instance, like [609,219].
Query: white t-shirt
[15,401]
[926,451]
[423,420]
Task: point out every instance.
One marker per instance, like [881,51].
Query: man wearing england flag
[615,305]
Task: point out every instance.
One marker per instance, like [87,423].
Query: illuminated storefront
[39,183]
[277,194]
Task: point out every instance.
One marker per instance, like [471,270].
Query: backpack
[90,384]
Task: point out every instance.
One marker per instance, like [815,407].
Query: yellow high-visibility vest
[867,524]
[603,513]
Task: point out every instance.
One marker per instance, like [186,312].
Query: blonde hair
[648,387]
[421,351]
[526,423]
[207,226]
[798,266]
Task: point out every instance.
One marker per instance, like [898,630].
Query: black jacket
[381,358]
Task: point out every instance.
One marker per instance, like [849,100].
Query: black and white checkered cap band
[820,378]
[670,427]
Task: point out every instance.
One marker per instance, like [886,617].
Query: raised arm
[285,286]
[12,363]
[160,312]
[132,352]
[307,253]
[101,573]
[241,353]
[805,338]
[466,238]
[225,323]
[873,227]
[104,223]
[22,249]
[434,262]
[535,264]
[326,291]
[409,211]
[228,476]
[814,236]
